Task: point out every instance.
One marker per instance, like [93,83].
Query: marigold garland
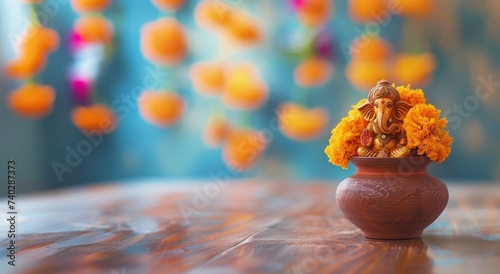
[164,43]
[239,85]
[32,100]
[91,29]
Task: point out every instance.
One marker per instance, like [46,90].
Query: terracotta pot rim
[359,159]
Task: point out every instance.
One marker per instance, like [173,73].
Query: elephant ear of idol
[367,111]
[401,108]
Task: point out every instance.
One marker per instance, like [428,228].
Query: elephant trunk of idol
[383,124]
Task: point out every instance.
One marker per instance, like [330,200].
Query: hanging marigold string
[238,85]
[296,120]
[32,99]
[91,41]
[163,43]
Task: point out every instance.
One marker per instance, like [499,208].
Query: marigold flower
[163,42]
[96,117]
[170,5]
[162,109]
[94,29]
[314,13]
[27,65]
[216,131]
[409,95]
[32,100]
[38,38]
[412,8]
[368,48]
[312,72]
[414,69]
[426,132]
[365,74]
[363,11]
[213,14]
[82,6]
[243,87]
[243,148]
[302,124]
[243,29]
[208,77]
[345,138]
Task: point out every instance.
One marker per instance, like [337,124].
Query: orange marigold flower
[345,138]
[365,74]
[426,132]
[243,29]
[312,72]
[409,95]
[243,148]
[170,5]
[213,14]
[412,8]
[162,109]
[208,77]
[38,38]
[216,131]
[95,117]
[302,124]
[163,42]
[314,13]
[368,48]
[27,65]
[243,87]
[94,29]
[32,100]
[82,6]
[363,11]
[414,69]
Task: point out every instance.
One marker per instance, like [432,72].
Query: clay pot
[391,198]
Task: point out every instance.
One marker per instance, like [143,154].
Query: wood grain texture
[242,227]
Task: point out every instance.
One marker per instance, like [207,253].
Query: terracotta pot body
[391,198]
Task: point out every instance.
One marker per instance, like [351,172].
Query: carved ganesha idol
[391,195]
[384,136]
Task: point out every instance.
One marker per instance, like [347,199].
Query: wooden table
[241,227]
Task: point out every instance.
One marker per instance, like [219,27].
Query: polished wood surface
[241,227]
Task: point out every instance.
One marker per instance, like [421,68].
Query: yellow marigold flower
[345,137]
[300,123]
[426,132]
[363,74]
[416,69]
[409,95]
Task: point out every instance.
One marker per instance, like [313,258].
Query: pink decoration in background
[81,89]
[323,44]
[75,42]
[87,64]
[296,4]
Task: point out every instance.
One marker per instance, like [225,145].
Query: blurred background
[235,65]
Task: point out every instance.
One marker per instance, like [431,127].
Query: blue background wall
[465,40]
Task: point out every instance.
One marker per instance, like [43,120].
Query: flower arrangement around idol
[394,121]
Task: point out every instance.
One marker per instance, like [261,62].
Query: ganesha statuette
[384,136]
